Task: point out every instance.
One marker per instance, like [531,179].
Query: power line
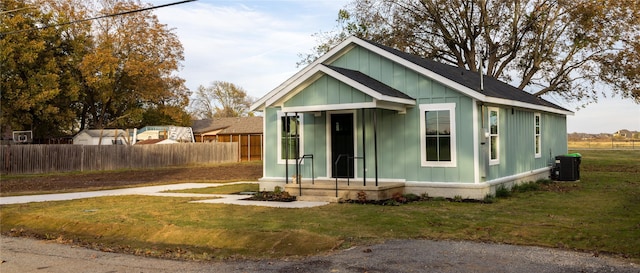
[98,17]
[14,10]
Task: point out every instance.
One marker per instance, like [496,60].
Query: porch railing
[335,169]
[298,179]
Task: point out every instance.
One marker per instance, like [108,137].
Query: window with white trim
[536,133]
[289,137]
[438,135]
[494,136]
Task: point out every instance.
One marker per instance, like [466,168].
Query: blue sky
[255,44]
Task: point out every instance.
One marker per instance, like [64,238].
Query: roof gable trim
[320,69]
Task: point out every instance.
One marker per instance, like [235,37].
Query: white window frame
[494,161]
[279,142]
[537,134]
[451,107]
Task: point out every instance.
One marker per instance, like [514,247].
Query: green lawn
[601,213]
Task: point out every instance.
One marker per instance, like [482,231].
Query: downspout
[485,147]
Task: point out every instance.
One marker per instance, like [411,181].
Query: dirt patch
[560,186]
[125,178]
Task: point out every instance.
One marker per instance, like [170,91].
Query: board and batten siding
[327,90]
[399,151]
[314,141]
[399,134]
[517,141]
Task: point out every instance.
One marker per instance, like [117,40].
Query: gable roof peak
[460,79]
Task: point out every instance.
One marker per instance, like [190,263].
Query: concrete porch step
[317,198]
[326,191]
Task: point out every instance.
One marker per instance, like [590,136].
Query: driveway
[29,255]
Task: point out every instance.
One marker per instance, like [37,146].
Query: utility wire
[99,17]
[14,10]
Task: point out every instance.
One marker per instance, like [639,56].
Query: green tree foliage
[221,99]
[566,48]
[36,90]
[130,70]
[112,72]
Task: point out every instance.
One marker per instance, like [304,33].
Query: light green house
[377,115]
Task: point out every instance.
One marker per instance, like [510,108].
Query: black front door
[342,145]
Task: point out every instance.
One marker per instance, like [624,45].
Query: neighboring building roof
[153,128]
[234,125]
[103,132]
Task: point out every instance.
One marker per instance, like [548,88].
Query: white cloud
[253,44]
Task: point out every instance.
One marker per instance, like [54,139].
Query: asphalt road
[29,255]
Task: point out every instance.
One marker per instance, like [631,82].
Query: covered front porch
[327,135]
[348,154]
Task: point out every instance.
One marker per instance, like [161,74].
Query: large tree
[62,73]
[575,49]
[131,69]
[221,99]
[36,90]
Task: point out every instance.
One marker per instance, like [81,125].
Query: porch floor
[325,190]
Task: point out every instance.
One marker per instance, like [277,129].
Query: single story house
[626,134]
[102,137]
[247,131]
[373,114]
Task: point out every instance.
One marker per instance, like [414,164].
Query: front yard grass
[599,214]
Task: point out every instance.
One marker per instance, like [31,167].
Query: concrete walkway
[234,199]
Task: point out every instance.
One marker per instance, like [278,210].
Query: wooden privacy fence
[34,159]
[250,145]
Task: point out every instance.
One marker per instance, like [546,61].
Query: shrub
[399,197]
[362,197]
[489,198]
[525,187]
[502,192]
[410,197]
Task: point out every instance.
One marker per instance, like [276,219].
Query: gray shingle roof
[370,82]
[492,86]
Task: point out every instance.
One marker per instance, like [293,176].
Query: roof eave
[527,105]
